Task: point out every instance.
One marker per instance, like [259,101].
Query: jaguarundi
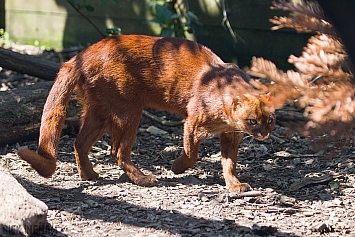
[116,78]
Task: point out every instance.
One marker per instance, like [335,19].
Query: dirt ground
[297,190]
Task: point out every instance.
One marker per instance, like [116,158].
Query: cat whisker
[240,131]
[248,136]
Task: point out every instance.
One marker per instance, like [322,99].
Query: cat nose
[262,136]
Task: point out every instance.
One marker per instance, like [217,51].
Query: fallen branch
[310,180]
[245,194]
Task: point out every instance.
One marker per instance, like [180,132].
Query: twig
[245,194]
[86,18]
[226,24]
[310,180]
[273,209]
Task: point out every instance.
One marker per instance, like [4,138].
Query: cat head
[252,114]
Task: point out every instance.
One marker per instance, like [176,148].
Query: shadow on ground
[173,222]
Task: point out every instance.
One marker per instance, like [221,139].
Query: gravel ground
[301,186]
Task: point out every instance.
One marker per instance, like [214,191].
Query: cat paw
[239,188]
[179,166]
[147,181]
[92,175]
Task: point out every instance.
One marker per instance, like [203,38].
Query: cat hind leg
[91,130]
[123,136]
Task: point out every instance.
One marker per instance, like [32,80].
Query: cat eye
[270,120]
[253,121]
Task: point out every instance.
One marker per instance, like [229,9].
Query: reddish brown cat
[116,78]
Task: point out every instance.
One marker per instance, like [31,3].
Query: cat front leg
[189,155]
[229,143]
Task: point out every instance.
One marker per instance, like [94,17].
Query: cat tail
[54,113]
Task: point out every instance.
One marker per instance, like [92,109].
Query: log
[27,64]
[21,111]
[20,213]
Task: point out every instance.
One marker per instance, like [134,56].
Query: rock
[91,203]
[282,154]
[20,212]
[321,227]
[268,167]
[203,197]
[171,152]
[156,131]
[191,180]
[263,149]
[287,201]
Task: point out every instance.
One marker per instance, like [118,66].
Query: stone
[20,212]
[156,131]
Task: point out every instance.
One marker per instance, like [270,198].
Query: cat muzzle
[261,137]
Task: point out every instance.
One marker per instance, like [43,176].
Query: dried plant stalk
[304,17]
[321,83]
[302,24]
[324,55]
[303,8]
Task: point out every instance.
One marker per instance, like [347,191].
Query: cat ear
[237,101]
[267,101]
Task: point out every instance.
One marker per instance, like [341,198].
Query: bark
[21,111]
[28,64]
[20,212]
